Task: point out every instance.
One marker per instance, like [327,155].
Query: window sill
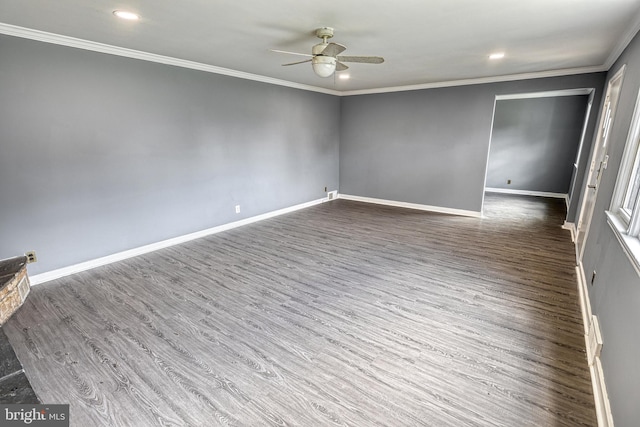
[630,245]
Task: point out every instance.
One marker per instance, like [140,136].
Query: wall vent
[332,195]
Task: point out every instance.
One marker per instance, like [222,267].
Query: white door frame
[576,165]
[597,163]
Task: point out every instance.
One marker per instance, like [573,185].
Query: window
[624,214]
[630,201]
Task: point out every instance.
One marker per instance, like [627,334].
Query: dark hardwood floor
[343,314]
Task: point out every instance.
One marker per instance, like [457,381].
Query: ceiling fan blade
[296,63]
[333,49]
[340,66]
[363,59]
[290,53]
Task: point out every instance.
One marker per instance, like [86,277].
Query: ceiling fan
[324,56]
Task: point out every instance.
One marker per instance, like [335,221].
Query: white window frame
[625,225]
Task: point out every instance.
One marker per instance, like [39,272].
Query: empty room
[320,214]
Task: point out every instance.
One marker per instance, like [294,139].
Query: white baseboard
[417,206]
[594,341]
[527,193]
[120,256]
[603,408]
[572,228]
[583,292]
[601,398]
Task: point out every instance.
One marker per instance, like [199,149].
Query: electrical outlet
[508,181]
[237,208]
[31,257]
[325,189]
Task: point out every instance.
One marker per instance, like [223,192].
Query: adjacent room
[292,214]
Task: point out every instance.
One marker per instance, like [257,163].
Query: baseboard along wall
[527,193]
[428,208]
[332,195]
[120,256]
[572,228]
[593,343]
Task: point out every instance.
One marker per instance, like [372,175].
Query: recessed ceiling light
[497,55]
[126,15]
[343,76]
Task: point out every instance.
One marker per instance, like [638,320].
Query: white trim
[28,33]
[527,193]
[486,165]
[598,145]
[407,205]
[594,340]
[628,158]
[546,94]
[630,245]
[120,256]
[583,292]
[623,43]
[572,228]
[600,395]
[481,80]
[601,398]
[583,134]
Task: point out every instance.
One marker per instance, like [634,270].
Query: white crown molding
[27,33]
[120,256]
[481,80]
[546,94]
[428,208]
[623,43]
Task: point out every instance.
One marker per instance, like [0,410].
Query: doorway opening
[537,143]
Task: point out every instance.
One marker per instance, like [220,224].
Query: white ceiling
[424,42]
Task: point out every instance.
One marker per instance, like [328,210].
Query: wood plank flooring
[343,314]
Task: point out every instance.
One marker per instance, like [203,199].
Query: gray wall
[534,143]
[431,146]
[615,294]
[99,153]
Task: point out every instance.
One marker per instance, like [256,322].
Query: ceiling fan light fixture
[323,66]
[326,59]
